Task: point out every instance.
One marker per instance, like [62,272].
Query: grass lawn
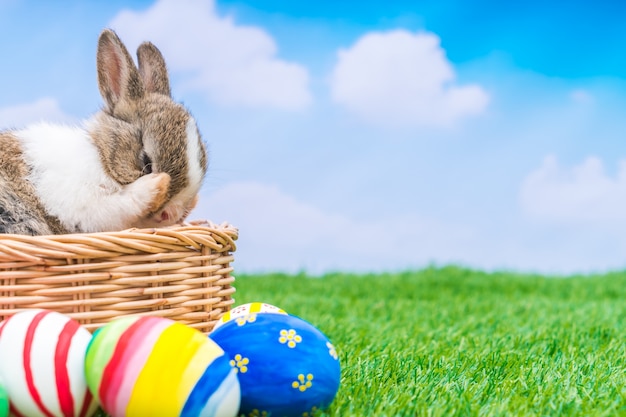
[449,341]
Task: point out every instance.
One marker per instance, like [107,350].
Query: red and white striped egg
[42,361]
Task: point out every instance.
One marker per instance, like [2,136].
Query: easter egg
[4,400]
[246,309]
[286,366]
[152,366]
[42,358]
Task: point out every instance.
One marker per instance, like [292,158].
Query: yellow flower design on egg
[311,413]
[240,363]
[303,383]
[251,318]
[290,337]
[332,351]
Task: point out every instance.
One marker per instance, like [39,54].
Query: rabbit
[138,162]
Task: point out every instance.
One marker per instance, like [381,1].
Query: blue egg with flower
[285,365]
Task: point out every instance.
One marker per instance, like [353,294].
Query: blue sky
[371,136]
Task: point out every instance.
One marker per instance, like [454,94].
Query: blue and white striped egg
[286,366]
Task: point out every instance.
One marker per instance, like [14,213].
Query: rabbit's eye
[147,164]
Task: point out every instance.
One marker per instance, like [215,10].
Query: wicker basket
[182,273]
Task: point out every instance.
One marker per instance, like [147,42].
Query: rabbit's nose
[165,216]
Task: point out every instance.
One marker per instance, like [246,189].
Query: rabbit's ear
[153,69]
[118,77]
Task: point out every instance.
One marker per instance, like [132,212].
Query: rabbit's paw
[153,189]
[160,186]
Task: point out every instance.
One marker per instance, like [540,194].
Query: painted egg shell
[42,359]
[152,366]
[286,366]
[4,400]
[246,309]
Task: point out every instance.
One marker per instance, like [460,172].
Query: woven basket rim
[37,249]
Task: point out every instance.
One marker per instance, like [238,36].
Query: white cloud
[583,194]
[44,109]
[234,64]
[281,233]
[278,232]
[403,79]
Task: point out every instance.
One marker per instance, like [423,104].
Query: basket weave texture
[182,273]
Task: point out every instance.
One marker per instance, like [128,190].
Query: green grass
[455,342]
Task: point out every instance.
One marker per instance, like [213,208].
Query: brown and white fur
[139,162]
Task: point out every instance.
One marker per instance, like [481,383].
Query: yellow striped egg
[152,366]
